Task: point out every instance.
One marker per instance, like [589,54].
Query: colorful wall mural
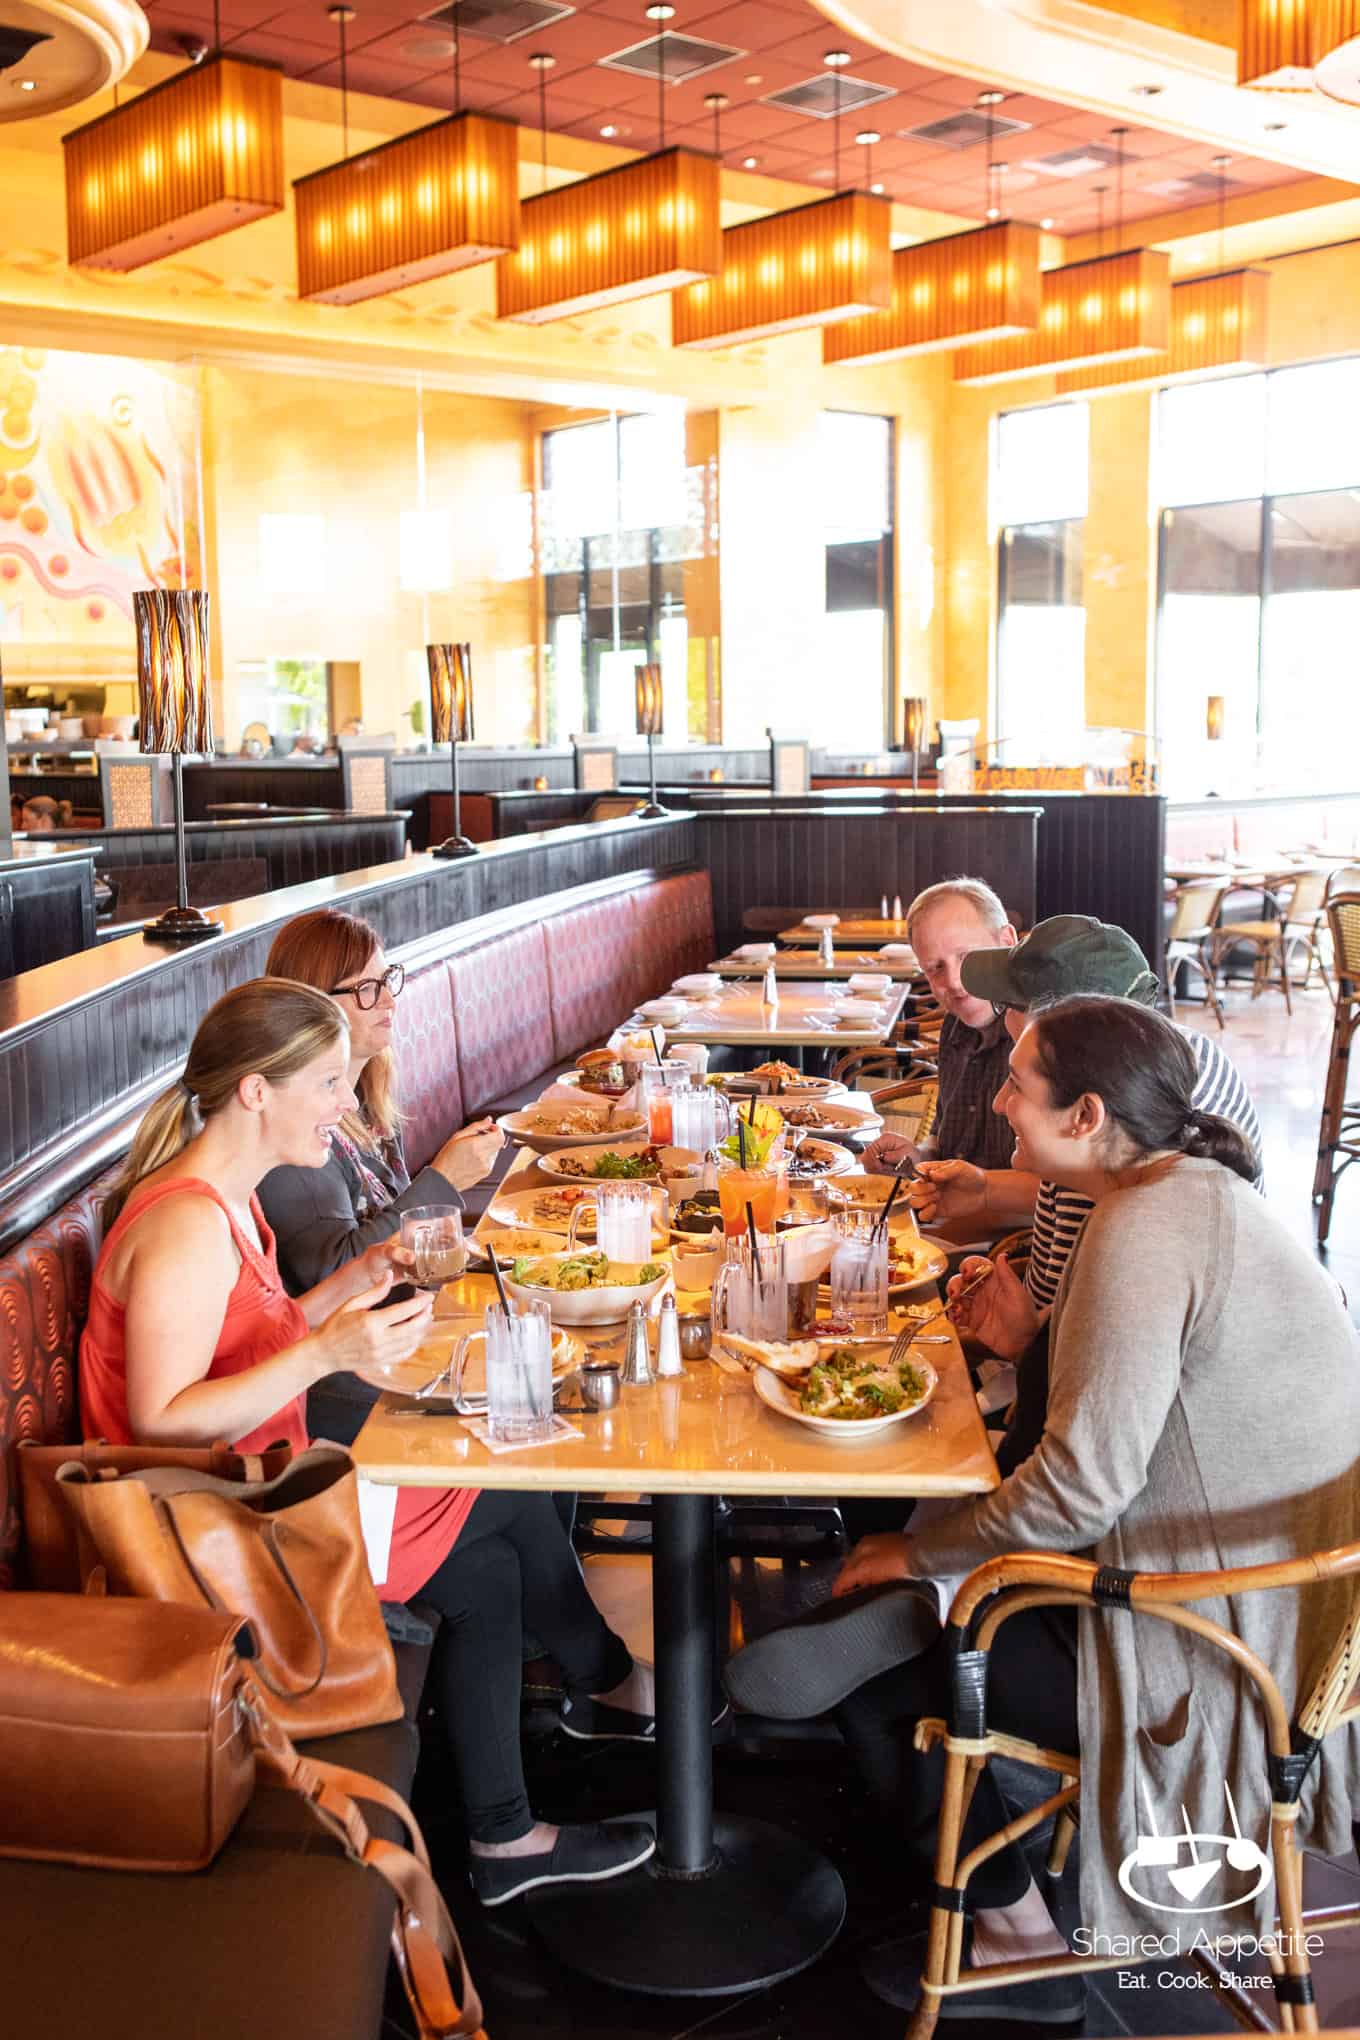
[99,495]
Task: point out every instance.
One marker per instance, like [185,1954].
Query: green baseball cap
[1068,953]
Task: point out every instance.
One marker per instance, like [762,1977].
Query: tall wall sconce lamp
[175,705]
[451,724]
[913,730]
[647,699]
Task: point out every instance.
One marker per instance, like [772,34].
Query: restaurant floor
[808,1786]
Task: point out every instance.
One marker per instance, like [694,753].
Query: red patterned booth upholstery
[44,1296]
[594,970]
[426,1047]
[675,929]
[503,1016]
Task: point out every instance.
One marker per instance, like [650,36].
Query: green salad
[584,1271]
[850,1384]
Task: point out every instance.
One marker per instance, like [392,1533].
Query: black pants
[1032,1692]
[512,1568]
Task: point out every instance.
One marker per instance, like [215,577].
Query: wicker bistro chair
[1339,1130]
[1194,923]
[1298,903]
[1305,923]
[1006,1586]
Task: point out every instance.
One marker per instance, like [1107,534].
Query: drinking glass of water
[623,1220]
[519,1373]
[751,1294]
[859,1273]
[434,1235]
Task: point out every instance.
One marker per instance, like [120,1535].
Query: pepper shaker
[825,949]
[897,907]
[668,1358]
[637,1364]
[770,993]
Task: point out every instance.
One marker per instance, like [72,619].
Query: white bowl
[858,1012]
[588,1151]
[664,1011]
[778,1396]
[821,921]
[542,1142]
[587,1306]
[871,982]
[754,952]
[701,985]
[898,952]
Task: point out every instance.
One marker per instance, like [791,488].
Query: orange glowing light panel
[818,263]
[421,206]
[189,159]
[981,285]
[1217,323]
[1103,310]
[1282,44]
[629,232]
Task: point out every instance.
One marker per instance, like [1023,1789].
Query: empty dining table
[805,1015]
[863,932]
[807,963]
[726,1904]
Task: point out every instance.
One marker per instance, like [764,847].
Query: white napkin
[870,981]
[807,1252]
[626,1105]
[899,952]
[480,1428]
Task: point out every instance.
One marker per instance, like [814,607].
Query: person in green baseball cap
[1069,953]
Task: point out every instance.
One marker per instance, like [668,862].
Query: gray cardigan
[1203,1412]
[322,1218]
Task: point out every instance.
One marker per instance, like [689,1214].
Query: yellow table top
[869,930]
[803,1018]
[805,963]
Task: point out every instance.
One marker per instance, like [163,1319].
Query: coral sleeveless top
[261,1319]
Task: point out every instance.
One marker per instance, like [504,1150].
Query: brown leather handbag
[133,1736]
[287,1554]
[51,1539]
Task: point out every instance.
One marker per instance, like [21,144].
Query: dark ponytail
[1144,1072]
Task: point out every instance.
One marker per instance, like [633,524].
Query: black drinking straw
[500,1282]
[755,1244]
[741,1140]
[656,1045]
[881,1223]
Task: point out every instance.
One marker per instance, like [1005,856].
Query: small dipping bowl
[600,1384]
[696,1335]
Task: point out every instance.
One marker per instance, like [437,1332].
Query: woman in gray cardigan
[1203,1412]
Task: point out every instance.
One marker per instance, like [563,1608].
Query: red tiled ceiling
[782,42]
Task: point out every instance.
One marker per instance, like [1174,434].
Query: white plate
[703,985]
[754,952]
[838,1117]
[875,984]
[854,1012]
[783,1400]
[406,1377]
[551,1165]
[588,1306]
[837,1158]
[821,921]
[664,1011]
[519,1127]
[805,1089]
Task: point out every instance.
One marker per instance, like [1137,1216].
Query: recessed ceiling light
[750,162]
[1046,225]
[1276,127]
[993,212]
[990,98]
[1147,91]
[877,190]
[25,84]
[609,131]
[837,59]
[867,137]
[660,12]
[754,78]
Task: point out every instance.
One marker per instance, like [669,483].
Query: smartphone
[400,1292]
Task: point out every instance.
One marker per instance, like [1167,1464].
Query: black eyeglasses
[1003,1007]
[368,990]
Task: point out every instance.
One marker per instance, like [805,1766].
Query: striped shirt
[1060,1214]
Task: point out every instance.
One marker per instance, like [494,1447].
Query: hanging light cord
[1119,134]
[717,130]
[457,65]
[1101,189]
[836,131]
[661,81]
[217,28]
[543,122]
[1221,165]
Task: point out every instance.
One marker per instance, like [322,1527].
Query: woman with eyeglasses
[325,1217]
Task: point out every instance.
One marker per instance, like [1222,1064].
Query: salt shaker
[897,907]
[770,993]
[668,1360]
[637,1363]
[883,906]
[825,950]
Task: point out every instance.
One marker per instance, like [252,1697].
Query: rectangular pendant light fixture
[821,262]
[1103,310]
[1217,323]
[977,286]
[417,207]
[630,232]
[190,159]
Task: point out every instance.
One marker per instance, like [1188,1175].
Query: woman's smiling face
[303,1110]
[1044,1142]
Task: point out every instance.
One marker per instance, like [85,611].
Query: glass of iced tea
[765,1190]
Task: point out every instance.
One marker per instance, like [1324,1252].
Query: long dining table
[805,1016]
[726,1904]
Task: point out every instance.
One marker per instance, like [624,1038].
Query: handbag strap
[164,1506]
[424,1940]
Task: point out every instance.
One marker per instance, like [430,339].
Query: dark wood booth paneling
[46,904]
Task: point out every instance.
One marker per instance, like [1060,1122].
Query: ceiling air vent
[1078,162]
[965,130]
[686,57]
[818,95]
[500,21]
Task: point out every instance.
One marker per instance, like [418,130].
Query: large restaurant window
[1039,504]
[619,521]
[856,460]
[1259,482]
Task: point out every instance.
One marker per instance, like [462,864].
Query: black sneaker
[803,1670]
[582,1855]
[588,1720]
[892,1971]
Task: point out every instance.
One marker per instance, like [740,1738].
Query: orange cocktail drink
[765,1190]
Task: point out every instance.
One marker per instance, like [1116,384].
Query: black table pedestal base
[769,1906]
